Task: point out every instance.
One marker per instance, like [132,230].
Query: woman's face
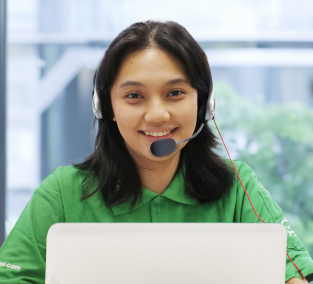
[152,99]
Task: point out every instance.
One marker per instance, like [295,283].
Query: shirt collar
[176,191]
[147,196]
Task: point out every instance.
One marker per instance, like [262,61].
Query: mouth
[155,135]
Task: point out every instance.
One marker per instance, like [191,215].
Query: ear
[114,119]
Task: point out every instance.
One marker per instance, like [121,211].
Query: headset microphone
[163,147]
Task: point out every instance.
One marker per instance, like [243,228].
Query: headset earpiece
[96,103]
[210,107]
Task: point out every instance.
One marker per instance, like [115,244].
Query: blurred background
[261,56]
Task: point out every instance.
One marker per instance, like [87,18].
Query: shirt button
[159,210]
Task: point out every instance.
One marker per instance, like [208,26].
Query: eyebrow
[131,83]
[176,81]
[138,84]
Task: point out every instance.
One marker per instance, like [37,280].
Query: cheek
[127,120]
[190,113]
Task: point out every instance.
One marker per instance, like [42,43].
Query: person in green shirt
[153,83]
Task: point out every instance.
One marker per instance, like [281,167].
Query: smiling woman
[162,104]
[153,83]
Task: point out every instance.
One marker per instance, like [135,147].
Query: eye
[134,96]
[175,93]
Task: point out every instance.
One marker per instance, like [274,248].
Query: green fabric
[57,199]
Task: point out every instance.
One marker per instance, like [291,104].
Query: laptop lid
[154,253]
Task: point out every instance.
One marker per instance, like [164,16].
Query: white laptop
[161,253]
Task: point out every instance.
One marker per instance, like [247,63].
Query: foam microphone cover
[163,147]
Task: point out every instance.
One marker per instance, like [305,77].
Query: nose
[157,112]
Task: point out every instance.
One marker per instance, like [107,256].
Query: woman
[153,82]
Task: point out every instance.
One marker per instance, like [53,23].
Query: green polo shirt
[57,199]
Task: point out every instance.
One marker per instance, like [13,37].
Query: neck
[156,176]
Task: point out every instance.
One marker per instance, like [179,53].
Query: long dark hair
[207,177]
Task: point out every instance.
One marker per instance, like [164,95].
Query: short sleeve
[270,212]
[23,254]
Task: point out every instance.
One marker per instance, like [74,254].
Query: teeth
[157,134]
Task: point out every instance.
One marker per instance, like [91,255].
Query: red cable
[299,271]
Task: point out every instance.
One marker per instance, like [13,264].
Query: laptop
[155,253]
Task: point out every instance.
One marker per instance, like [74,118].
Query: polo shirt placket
[158,210]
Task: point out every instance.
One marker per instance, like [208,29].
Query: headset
[96,102]
[161,147]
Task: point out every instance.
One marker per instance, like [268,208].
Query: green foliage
[277,142]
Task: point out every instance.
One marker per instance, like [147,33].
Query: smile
[152,136]
[157,134]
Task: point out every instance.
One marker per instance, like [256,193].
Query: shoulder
[247,180]
[259,196]
[245,172]
[62,182]
[68,172]
[241,167]
[67,175]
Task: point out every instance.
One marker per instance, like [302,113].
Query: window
[261,57]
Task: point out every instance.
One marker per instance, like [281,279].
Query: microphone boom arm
[193,136]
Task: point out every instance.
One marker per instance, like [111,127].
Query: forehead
[149,64]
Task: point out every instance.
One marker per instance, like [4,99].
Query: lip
[153,138]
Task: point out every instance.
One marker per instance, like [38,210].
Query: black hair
[207,177]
